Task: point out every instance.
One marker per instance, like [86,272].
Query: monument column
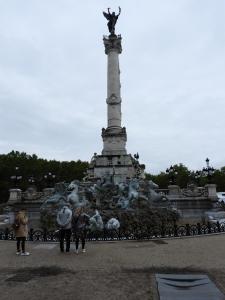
[114,136]
[114,162]
[113,49]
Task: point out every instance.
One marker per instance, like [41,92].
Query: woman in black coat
[80,224]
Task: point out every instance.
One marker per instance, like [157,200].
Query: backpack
[64,217]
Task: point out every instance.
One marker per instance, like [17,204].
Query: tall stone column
[114,136]
[113,49]
[114,163]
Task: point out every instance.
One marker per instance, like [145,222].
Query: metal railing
[137,233]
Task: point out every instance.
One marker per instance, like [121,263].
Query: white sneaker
[25,253]
[83,250]
[76,251]
[18,252]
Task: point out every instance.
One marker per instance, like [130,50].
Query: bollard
[31,234]
[45,235]
[209,227]
[175,230]
[119,234]
[6,234]
[218,226]
[188,232]
[163,231]
[199,228]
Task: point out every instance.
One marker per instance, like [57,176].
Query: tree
[31,165]
[184,176]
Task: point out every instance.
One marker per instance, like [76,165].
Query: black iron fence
[137,233]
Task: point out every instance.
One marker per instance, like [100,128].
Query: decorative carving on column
[112,43]
[113,99]
[108,132]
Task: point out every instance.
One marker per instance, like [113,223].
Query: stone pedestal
[48,191]
[114,141]
[211,191]
[211,188]
[174,190]
[115,167]
[14,196]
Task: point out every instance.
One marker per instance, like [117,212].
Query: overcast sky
[53,79]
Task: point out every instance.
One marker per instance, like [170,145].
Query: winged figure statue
[112,19]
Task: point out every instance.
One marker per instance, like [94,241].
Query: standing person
[79,223]
[64,218]
[21,231]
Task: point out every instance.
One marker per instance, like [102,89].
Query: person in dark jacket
[64,218]
[80,223]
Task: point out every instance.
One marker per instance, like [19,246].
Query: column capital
[112,43]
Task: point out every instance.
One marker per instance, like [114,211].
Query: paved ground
[109,270]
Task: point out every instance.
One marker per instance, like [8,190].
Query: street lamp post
[208,171]
[50,178]
[31,180]
[197,176]
[16,178]
[172,173]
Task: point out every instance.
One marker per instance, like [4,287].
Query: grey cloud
[53,79]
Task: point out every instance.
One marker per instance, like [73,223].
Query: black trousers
[65,234]
[80,235]
[20,241]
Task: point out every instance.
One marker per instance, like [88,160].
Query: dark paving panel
[27,274]
[187,287]
[159,242]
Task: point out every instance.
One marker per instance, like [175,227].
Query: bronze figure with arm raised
[112,18]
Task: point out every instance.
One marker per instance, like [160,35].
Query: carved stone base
[117,167]
[114,141]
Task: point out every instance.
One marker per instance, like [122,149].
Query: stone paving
[108,270]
